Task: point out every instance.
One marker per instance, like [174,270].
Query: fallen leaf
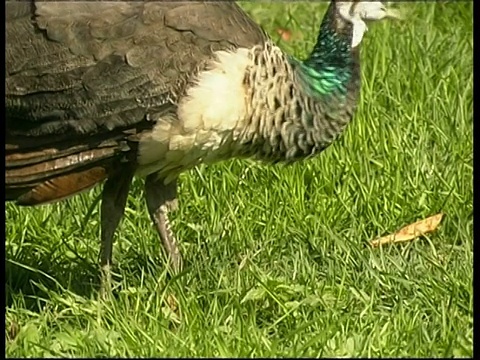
[410,232]
[171,311]
[13,331]
[285,34]
[172,303]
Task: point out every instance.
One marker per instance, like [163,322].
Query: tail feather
[62,187]
[42,174]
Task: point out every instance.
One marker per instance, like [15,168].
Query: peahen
[106,91]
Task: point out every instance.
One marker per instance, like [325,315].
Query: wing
[96,66]
[83,77]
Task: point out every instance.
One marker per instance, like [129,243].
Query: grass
[277,257]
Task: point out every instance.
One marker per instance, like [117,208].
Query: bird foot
[162,224]
[161,199]
[106,282]
[171,245]
[114,199]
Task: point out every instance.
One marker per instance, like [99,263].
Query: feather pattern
[101,91]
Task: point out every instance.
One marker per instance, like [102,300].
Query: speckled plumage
[105,90]
[293,109]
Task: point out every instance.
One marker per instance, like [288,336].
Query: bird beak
[376,10]
[393,14]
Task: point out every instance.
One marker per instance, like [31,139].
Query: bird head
[357,12]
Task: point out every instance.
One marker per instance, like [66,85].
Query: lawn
[278,262]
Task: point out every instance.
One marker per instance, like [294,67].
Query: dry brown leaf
[285,34]
[13,331]
[410,232]
[172,303]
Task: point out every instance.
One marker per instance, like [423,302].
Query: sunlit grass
[277,257]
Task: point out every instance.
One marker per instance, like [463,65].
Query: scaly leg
[161,199]
[114,199]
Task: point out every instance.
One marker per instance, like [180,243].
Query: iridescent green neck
[330,67]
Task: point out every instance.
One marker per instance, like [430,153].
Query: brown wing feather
[80,75]
[61,187]
[40,170]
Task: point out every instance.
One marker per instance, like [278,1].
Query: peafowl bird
[104,91]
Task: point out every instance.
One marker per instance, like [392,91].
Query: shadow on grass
[26,277]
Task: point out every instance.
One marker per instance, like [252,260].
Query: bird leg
[114,199]
[161,199]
